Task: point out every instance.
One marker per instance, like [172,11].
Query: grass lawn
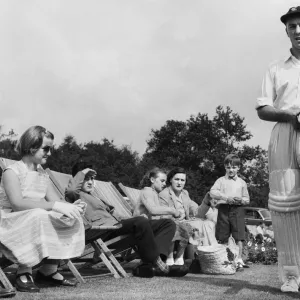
[258,282]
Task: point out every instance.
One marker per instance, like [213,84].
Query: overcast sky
[116,69]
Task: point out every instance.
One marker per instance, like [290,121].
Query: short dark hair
[32,139]
[232,159]
[146,180]
[173,172]
[79,166]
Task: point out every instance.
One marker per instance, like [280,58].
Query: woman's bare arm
[12,189]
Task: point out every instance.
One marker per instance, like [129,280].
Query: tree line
[198,144]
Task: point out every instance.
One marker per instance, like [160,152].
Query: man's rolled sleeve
[268,93]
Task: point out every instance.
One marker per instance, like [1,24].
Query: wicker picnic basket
[214,260]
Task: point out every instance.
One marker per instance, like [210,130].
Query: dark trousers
[151,237]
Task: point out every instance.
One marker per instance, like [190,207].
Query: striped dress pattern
[29,236]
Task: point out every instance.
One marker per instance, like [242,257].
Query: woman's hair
[32,139]
[152,173]
[173,172]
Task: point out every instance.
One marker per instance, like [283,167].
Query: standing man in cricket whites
[280,103]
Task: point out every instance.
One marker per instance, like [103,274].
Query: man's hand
[230,201]
[238,200]
[176,214]
[295,119]
[213,203]
[85,171]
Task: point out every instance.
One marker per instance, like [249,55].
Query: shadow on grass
[235,285]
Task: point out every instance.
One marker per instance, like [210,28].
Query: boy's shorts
[231,220]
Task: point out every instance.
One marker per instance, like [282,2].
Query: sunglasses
[47,149]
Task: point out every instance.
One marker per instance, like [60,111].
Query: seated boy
[152,238]
[232,193]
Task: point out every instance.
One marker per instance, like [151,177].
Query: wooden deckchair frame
[101,248]
[131,193]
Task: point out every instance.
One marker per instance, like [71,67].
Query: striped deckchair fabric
[108,192]
[60,182]
[131,193]
[103,250]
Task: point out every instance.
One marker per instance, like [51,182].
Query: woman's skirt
[27,237]
[206,230]
[185,230]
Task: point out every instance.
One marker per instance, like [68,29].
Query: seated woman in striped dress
[35,226]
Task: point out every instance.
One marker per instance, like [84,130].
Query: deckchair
[101,247]
[131,193]
[108,192]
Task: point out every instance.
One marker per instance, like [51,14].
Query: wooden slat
[100,252]
[75,272]
[111,257]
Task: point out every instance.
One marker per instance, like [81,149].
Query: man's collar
[233,178]
[288,57]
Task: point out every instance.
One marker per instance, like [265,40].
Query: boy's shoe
[179,261]
[245,265]
[239,267]
[290,285]
[170,261]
